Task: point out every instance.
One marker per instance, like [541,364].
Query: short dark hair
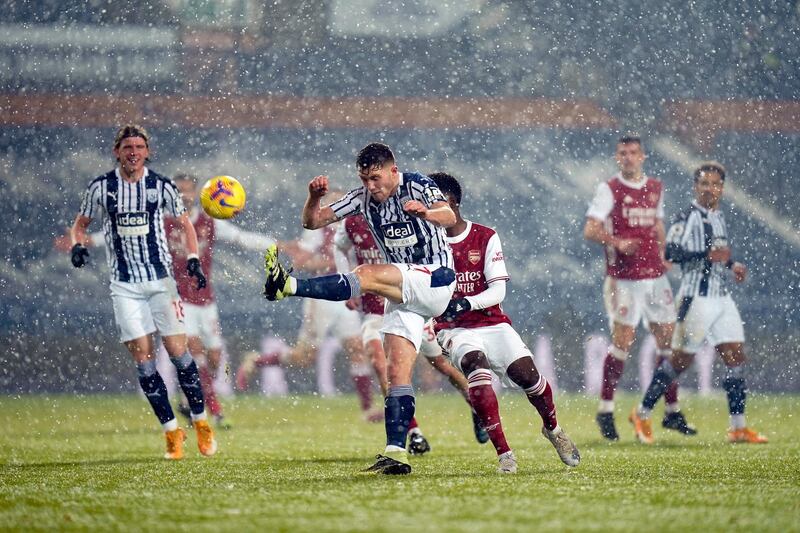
[630,139]
[131,130]
[447,184]
[374,155]
[709,166]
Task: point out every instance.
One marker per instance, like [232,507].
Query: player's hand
[456,308]
[719,255]
[195,270]
[739,272]
[415,208]
[628,246]
[79,255]
[354,304]
[318,187]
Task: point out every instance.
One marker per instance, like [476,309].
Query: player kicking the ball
[478,337]
[407,214]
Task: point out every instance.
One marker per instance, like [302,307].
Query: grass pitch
[293,464]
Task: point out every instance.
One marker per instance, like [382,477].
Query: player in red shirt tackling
[478,338]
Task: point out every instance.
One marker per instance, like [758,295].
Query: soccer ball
[222,197]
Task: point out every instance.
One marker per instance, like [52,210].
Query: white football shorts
[371,328]
[630,301]
[501,343]
[430,348]
[324,318]
[714,318]
[146,307]
[203,321]
[421,302]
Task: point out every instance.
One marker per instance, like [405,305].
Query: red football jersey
[478,259]
[176,239]
[634,216]
[367,253]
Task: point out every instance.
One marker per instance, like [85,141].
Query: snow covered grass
[93,462]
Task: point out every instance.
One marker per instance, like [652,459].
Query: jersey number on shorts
[178,305]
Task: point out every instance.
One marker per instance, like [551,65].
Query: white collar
[144,175]
[461,236]
[633,184]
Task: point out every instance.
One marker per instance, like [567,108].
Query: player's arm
[496,275]
[79,237]
[193,266]
[314,215]
[675,251]
[249,240]
[439,213]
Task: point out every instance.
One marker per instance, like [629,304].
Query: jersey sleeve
[602,203]
[311,240]
[171,197]
[426,191]
[349,204]
[685,240]
[341,239]
[249,240]
[91,202]
[494,267]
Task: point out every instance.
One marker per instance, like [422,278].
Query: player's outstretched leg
[277,285]
[523,372]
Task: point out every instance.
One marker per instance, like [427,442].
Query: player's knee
[523,372]
[473,361]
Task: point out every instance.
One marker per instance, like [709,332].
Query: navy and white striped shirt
[401,237]
[133,223]
[690,238]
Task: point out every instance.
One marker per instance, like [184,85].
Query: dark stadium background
[522,100]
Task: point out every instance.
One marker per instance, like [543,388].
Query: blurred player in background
[626,217]
[132,201]
[477,335]
[407,215]
[323,319]
[355,246]
[203,331]
[698,241]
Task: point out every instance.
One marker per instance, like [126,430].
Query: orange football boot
[205,438]
[642,427]
[175,440]
[746,435]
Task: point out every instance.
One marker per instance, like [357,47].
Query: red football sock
[484,402]
[671,394]
[413,424]
[541,397]
[612,371]
[363,384]
[209,395]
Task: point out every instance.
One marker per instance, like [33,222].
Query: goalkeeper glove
[79,255]
[195,270]
[456,308]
